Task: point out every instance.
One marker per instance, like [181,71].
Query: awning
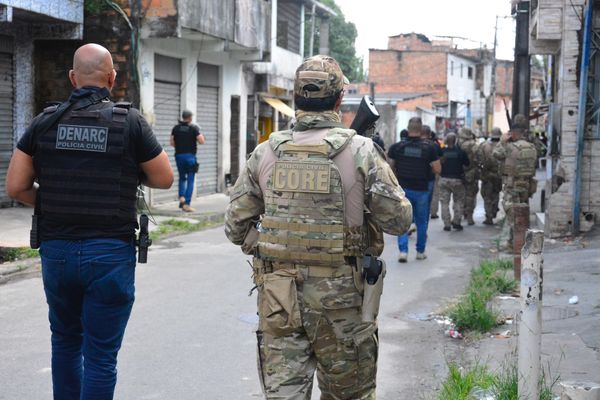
[279,106]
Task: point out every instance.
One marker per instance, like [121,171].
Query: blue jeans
[90,289]
[185,167]
[420,204]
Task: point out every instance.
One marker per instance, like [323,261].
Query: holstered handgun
[144,240]
[373,272]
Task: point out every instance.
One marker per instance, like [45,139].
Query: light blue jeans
[185,167]
[420,205]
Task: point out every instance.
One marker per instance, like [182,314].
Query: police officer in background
[491,176]
[186,137]
[519,159]
[454,160]
[467,141]
[86,156]
[415,160]
[309,188]
[434,193]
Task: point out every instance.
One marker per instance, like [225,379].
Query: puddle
[251,319]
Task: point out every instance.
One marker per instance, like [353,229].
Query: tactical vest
[304,220]
[84,168]
[413,161]
[520,160]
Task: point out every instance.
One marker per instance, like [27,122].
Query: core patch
[301,177]
[82,138]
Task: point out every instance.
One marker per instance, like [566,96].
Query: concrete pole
[312,31]
[519,228]
[530,321]
[324,36]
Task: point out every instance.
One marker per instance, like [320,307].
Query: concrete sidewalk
[15,222]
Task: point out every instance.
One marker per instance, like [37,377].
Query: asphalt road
[191,334]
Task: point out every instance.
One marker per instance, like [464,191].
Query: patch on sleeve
[82,138]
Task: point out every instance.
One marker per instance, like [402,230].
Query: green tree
[342,35]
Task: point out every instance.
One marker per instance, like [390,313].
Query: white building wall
[191,52]
[460,89]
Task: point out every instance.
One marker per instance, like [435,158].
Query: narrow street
[191,332]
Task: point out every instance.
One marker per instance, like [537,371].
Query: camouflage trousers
[456,189]
[471,190]
[435,197]
[330,338]
[490,191]
[511,197]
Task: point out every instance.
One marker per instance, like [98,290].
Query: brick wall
[504,77]
[412,104]
[110,30]
[409,72]
[409,41]
[54,58]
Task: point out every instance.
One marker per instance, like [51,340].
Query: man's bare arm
[20,178]
[158,172]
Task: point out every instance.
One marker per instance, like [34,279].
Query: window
[282,34]
[470,72]
[451,67]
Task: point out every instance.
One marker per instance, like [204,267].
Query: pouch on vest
[278,307]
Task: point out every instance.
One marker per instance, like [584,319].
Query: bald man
[79,164]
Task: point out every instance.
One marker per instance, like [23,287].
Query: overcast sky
[375,20]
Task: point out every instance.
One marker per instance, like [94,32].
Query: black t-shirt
[185,136]
[429,155]
[453,161]
[143,147]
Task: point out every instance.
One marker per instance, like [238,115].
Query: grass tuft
[503,385]
[471,313]
[8,254]
[176,226]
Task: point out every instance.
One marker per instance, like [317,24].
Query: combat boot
[488,221]
[457,227]
[470,220]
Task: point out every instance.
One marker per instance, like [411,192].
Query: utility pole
[522,70]
[312,31]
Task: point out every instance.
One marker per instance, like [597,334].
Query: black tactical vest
[412,161]
[86,173]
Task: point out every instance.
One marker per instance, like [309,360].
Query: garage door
[6,115]
[207,117]
[167,98]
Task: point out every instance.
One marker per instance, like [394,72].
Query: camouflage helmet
[465,134]
[319,77]
[520,123]
[496,133]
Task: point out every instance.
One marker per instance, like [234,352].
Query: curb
[14,270]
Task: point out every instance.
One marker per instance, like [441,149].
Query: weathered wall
[559,214]
[409,72]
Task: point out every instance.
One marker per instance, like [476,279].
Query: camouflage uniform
[491,178]
[454,188]
[519,184]
[468,143]
[310,188]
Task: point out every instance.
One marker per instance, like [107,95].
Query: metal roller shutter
[6,121]
[207,116]
[167,97]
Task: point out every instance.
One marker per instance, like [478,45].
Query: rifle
[507,113]
[366,116]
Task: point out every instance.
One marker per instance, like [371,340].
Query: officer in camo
[468,143]
[518,158]
[491,177]
[302,206]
